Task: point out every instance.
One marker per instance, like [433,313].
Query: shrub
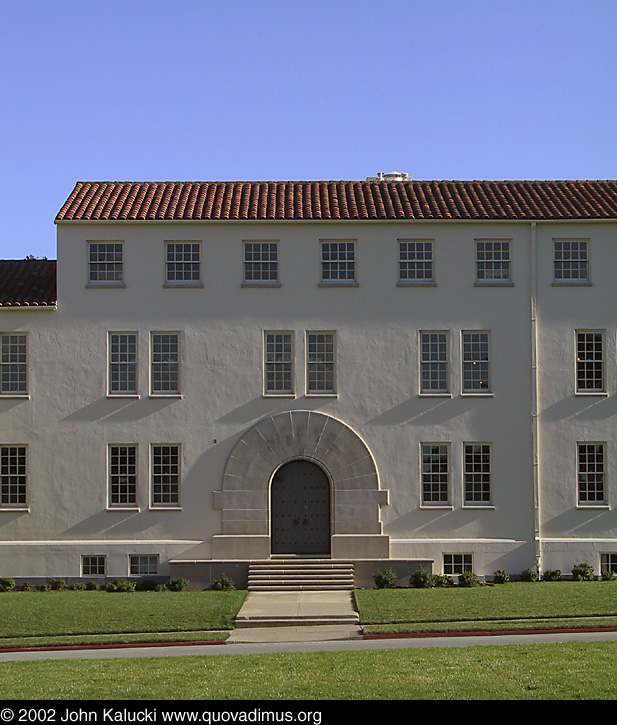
[56,584]
[421,579]
[146,585]
[177,585]
[92,586]
[6,584]
[160,588]
[608,575]
[385,579]
[224,584]
[583,572]
[28,587]
[45,587]
[120,585]
[443,580]
[76,586]
[501,577]
[529,575]
[468,579]
[553,575]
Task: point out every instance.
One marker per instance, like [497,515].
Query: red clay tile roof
[27,282]
[344,200]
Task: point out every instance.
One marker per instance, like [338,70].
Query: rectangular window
[476,362]
[143,564]
[477,473]
[338,262]
[433,362]
[608,562]
[321,363]
[182,262]
[435,473]
[590,361]
[260,262]
[278,363]
[457,563]
[165,475]
[165,363]
[415,261]
[591,489]
[105,262]
[13,476]
[93,565]
[122,475]
[13,364]
[492,261]
[571,261]
[122,363]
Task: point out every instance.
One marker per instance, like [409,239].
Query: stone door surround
[245,496]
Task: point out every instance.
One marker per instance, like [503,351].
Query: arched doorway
[300,509]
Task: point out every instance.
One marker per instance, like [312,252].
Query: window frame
[608,561]
[160,393]
[475,503]
[434,392]
[117,281]
[21,504]
[166,505]
[156,558]
[447,502]
[580,363]
[493,281]
[415,281]
[192,282]
[123,505]
[276,393]
[328,281]
[488,391]
[6,368]
[313,393]
[572,281]
[270,281]
[122,393]
[453,564]
[96,575]
[595,503]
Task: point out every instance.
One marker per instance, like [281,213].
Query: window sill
[268,283]
[573,283]
[434,395]
[479,507]
[103,285]
[437,507]
[322,395]
[418,283]
[16,509]
[15,396]
[132,396]
[165,508]
[590,394]
[339,284]
[493,283]
[133,509]
[279,395]
[593,506]
[159,396]
[477,395]
[183,285]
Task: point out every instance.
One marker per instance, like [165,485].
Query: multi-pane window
[571,261]
[338,262]
[320,363]
[415,261]
[143,564]
[122,475]
[435,473]
[590,361]
[476,362]
[591,488]
[122,363]
[13,364]
[457,563]
[493,261]
[93,565]
[433,362]
[477,473]
[165,475]
[608,562]
[278,363]
[260,262]
[12,476]
[182,262]
[105,262]
[165,363]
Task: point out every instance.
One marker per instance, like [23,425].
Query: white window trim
[477,393]
[455,553]
[509,282]
[163,394]
[436,504]
[415,282]
[447,393]
[110,393]
[26,395]
[572,282]
[19,507]
[279,394]
[483,505]
[321,394]
[165,506]
[172,283]
[122,506]
[158,564]
[339,282]
[593,505]
[105,283]
[261,282]
[590,392]
[94,576]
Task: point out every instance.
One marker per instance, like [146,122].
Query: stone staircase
[279,575]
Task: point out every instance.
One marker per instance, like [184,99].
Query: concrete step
[303,574]
[297,621]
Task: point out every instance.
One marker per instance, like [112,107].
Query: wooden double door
[300,509]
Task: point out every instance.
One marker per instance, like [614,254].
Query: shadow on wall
[120,410]
[579,406]
[425,411]
[582,523]
[262,407]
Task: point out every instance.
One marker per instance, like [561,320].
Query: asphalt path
[213,650]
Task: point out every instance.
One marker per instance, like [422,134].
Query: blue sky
[239,89]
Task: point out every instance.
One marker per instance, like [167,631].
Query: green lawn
[517,672]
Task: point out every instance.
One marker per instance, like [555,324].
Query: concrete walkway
[296,616]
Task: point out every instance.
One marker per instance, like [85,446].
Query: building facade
[387,372]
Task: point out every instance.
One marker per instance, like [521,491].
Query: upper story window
[122,475]
[261,263]
[182,263]
[320,363]
[435,473]
[477,473]
[492,261]
[165,363]
[433,362]
[476,362]
[415,262]
[122,363]
[13,363]
[105,265]
[338,262]
[12,476]
[278,363]
[571,261]
[591,490]
[589,361]
[165,475]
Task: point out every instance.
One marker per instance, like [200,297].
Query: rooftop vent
[392,176]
